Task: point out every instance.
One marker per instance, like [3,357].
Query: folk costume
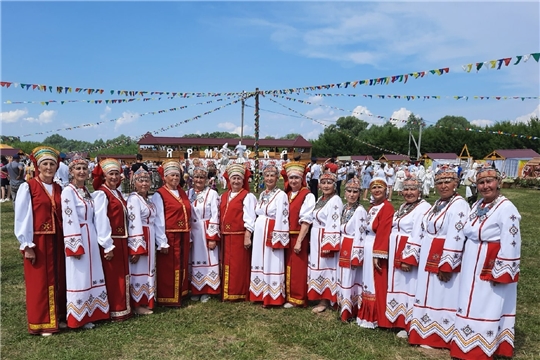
[236,216]
[111,226]
[351,255]
[38,225]
[301,205]
[205,271]
[372,306]
[406,229]
[173,226]
[270,239]
[324,247]
[486,311]
[442,239]
[87,299]
[143,222]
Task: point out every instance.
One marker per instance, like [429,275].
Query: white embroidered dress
[85,282]
[325,233]
[487,308]
[204,226]
[267,279]
[406,230]
[435,306]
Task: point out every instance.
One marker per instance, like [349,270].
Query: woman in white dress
[351,254]
[324,245]
[205,278]
[406,228]
[490,271]
[439,264]
[142,244]
[270,238]
[87,299]
[400,177]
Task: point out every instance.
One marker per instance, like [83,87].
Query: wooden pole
[256,176]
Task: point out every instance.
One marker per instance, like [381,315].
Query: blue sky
[221,47]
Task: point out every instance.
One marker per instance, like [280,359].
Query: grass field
[242,330]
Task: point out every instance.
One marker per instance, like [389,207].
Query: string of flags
[338,130]
[429,97]
[394,120]
[385,80]
[136,115]
[490,64]
[102,101]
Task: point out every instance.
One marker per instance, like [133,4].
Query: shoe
[46,334]
[195,298]
[143,311]
[402,334]
[205,298]
[62,325]
[89,326]
[288,305]
[426,347]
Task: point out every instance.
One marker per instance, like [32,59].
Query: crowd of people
[444,276]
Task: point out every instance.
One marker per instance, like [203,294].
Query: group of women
[445,275]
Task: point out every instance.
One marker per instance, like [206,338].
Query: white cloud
[233,128]
[318,112]
[363,113]
[315,99]
[43,118]
[313,134]
[401,114]
[126,118]
[106,112]
[527,117]
[482,122]
[12,116]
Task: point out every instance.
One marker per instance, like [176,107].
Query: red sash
[434,256]
[491,254]
[402,241]
[345,252]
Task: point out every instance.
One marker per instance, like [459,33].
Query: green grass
[243,330]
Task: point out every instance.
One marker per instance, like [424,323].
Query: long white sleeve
[159,224]
[103,225]
[249,216]
[24,218]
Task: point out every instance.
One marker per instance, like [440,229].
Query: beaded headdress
[412,179]
[487,171]
[295,168]
[328,175]
[378,182]
[171,166]
[109,164]
[42,153]
[445,172]
[353,183]
[141,174]
[76,160]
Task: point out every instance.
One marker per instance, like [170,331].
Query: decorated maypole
[256,176]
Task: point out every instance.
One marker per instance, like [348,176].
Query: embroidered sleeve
[506,267]
[212,225]
[136,240]
[454,239]
[331,233]
[280,234]
[411,253]
[357,256]
[72,229]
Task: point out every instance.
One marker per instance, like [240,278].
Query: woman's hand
[134,258]
[30,254]
[212,245]
[247,240]
[298,246]
[164,251]
[78,257]
[406,267]
[444,276]
[377,264]
[108,256]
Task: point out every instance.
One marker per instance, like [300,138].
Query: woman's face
[270,179]
[199,180]
[378,192]
[295,182]
[47,169]
[79,172]
[236,183]
[352,195]
[142,185]
[172,180]
[411,193]
[488,187]
[327,187]
[446,187]
[112,178]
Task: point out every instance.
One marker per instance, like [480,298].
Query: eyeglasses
[143,180]
[352,191]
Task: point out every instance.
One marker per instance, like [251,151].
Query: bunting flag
[138,115]
[103,101]
[89,91]
[394,120]
[428,97]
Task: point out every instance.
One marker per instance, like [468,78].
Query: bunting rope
[490,64]
[394,120]
[134,116]
[430,97]
[338,130]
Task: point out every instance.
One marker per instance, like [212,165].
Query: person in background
[136,165]
[173,228]
[237,222]
[87,298]
[315,173]
[487,293]
[367,174]
[403,254]
[4,182]
[341,176]
[38,228]
[389,176]
[112,234]
[62,174]
[324,245]
[15,172]
[301,205]
[351,254]
[470,183]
